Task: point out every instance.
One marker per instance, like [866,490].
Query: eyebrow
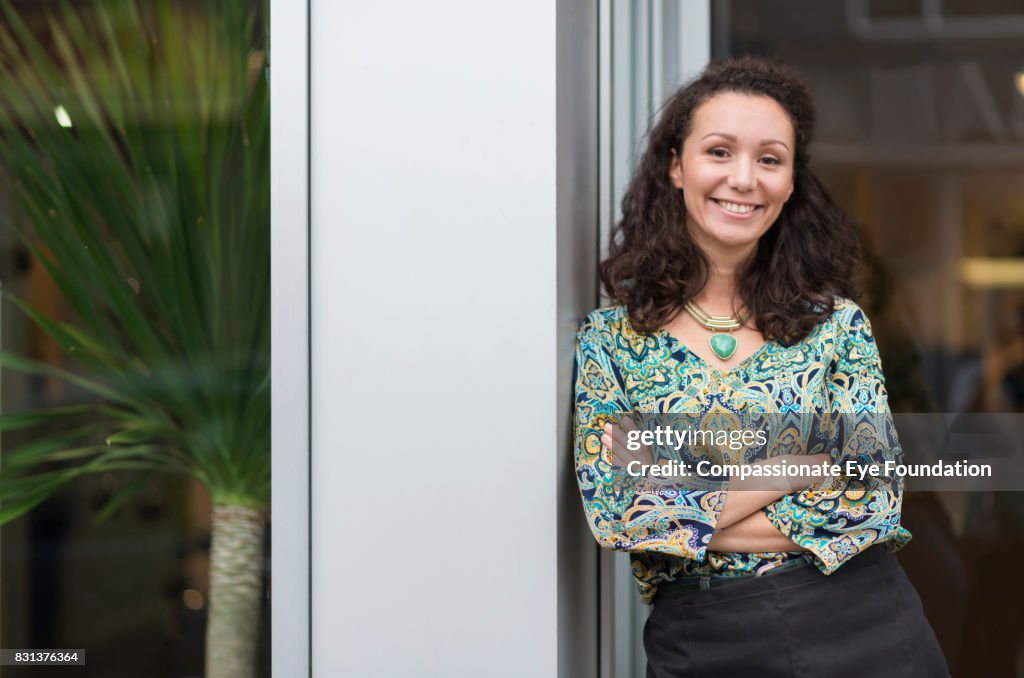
[730,137]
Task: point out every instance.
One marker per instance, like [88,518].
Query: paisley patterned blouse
[835,369]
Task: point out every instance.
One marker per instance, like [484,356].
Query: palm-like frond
[151,214]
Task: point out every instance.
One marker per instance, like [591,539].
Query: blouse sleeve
[625,514]
[838,521]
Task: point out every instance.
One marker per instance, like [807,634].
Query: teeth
[736,209]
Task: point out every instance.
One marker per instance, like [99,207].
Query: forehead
[742,115]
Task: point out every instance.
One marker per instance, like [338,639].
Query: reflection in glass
[921,141]
[135,199]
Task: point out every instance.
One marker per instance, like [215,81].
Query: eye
[718,152]
[771,160]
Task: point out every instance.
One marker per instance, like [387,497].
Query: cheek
[696,174]
[693,201]
[782,189]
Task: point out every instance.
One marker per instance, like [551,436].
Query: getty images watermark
[916,451]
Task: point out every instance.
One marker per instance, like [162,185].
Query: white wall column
[436,336]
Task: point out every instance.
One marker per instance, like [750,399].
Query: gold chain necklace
[722,342]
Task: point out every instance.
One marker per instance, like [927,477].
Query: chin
[737,240]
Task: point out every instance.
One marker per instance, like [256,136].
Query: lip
[733,215]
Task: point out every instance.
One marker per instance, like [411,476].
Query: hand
[753,534]
[614,440]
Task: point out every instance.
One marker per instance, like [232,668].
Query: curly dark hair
[809,256]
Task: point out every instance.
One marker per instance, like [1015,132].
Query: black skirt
[863,620]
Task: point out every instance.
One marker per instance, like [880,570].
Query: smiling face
[735,171]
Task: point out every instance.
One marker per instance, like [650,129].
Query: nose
[742,176]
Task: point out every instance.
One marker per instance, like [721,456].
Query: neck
[720,294]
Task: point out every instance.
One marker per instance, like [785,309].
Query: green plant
[136,140]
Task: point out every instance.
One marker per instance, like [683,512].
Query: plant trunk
[232,626]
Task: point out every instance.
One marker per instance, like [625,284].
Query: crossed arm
[753,533]
[742,526]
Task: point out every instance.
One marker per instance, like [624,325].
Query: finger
[615,428]
[612,451]
[618,454]
[620,435]
[628,424]
[616,440]
[609,438]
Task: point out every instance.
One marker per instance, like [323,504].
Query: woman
[733,271]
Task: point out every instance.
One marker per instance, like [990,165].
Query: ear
[675,170]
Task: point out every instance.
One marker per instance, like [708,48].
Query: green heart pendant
[724,345]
